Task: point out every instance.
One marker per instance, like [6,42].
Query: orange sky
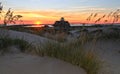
[48,11]
[49,17]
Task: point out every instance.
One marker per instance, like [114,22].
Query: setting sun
[38,23]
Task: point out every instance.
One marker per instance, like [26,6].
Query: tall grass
[60,37]
[22,44]
[112,34]
[72,52]
[6,42]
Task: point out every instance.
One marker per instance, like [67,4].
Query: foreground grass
[72,52]
[60,37]
[6,42]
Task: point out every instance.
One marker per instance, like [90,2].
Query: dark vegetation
[9,17]
[72,52]
[7,42]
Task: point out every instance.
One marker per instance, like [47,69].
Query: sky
[48,11]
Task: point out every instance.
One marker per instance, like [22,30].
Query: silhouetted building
[62,25]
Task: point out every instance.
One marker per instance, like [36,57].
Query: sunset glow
[74,11]
[38,23]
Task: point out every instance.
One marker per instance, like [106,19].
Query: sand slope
[108,52]
[31,38]
[15,62]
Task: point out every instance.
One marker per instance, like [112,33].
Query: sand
[15,62]
[107,51]
[31,38]
[109,55]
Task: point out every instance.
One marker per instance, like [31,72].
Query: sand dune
[31,38]
[15,62]
[108,52]
[19,63]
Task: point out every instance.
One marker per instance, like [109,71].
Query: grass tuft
[6,42]
[71,52]
[22,44]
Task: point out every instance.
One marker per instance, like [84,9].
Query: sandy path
[21,63]
[109,54]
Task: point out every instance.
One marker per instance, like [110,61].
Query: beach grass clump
[22,44]
[60,37]
[90,63]
[6,42]
[112,35]
[72,52]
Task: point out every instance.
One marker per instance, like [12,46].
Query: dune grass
[22,44]
[60,37]
[6,42]
[72,52]
[112,36]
